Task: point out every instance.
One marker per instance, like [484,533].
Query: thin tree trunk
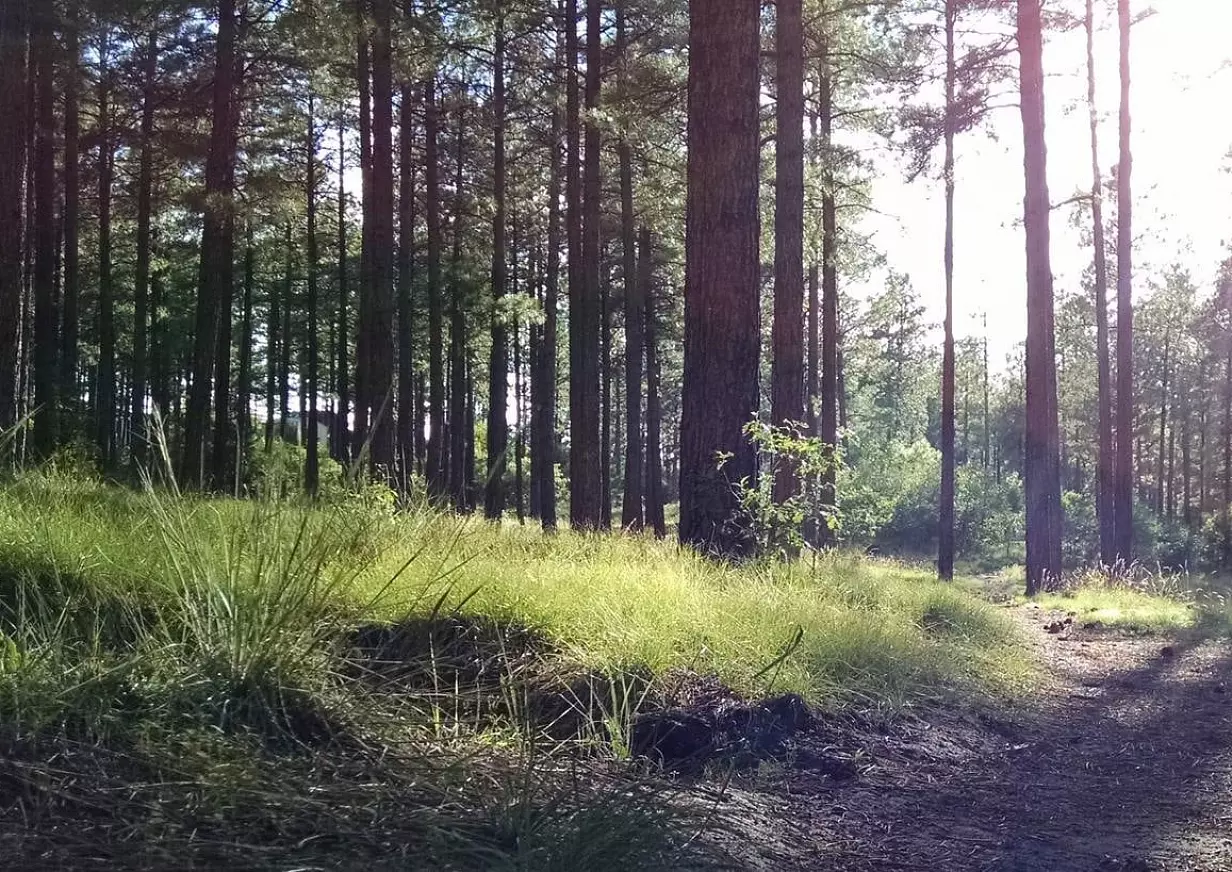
[1105,489]
[787,359]
[406,259]
[437,472]
[945,532]
[1125,312]
[459,475]
[654,416]
[272,356]
[1043,482]
[721,343]
[342,444]
[831,393]
[70,324]
[498,368]
[243,386]
[312,465]
[631,513]
[605,397]
[543,452]
[145,185]
[105,393]
[46,318]
[1160,479]
[363,387]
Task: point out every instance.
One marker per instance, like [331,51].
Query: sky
[1182,134]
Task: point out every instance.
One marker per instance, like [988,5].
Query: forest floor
[1121,761]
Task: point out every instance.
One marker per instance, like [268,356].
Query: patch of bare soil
[1123,763]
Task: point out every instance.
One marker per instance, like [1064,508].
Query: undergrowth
[258,683]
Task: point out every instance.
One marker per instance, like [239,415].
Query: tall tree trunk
[585,472]
[105,392]
[1105,489]
[460,476]
[831,361]
[70,323]
[46,319]
[312,465]
[14,63]
[363,327]
[215,272]
[1125,313]
[160,364]
[437,473]
[945,532]
[498,368]
[381,350]
[406,260]
[721,344]
[787,358]
[605,396]
[342,445]
[1160,478]
[543,451]
[654,415]
[243,386]
[987,455]
[274,340]
[145,185]
[576,279]
[1043,474]
[631,516]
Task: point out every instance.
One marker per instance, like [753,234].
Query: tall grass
[176,675]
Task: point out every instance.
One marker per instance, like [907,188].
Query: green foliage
[778,525]
[890,499]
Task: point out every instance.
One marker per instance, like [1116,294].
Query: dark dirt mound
[1123,763]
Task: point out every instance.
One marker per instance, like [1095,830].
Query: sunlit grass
[851,630]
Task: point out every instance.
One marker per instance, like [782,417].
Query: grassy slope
[194,648]
[874,631]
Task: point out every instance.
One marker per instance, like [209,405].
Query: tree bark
[460,476]
[437,473]
[585,472]
[46,317]
[215,272]
[631,512]
[381,350]
[498,364]
[312,464]
[243,383]
[14,63]
[945,532]
[1105,480]
[105,392]
[721,343]
[831,362]
[1124,508]
[342,443]
[406,261]
[654,415]
[1042,473]
[145,184]
[1160,478]
[543,451]
[787,362]
[70,317]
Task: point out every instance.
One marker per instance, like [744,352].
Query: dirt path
[1125,763]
